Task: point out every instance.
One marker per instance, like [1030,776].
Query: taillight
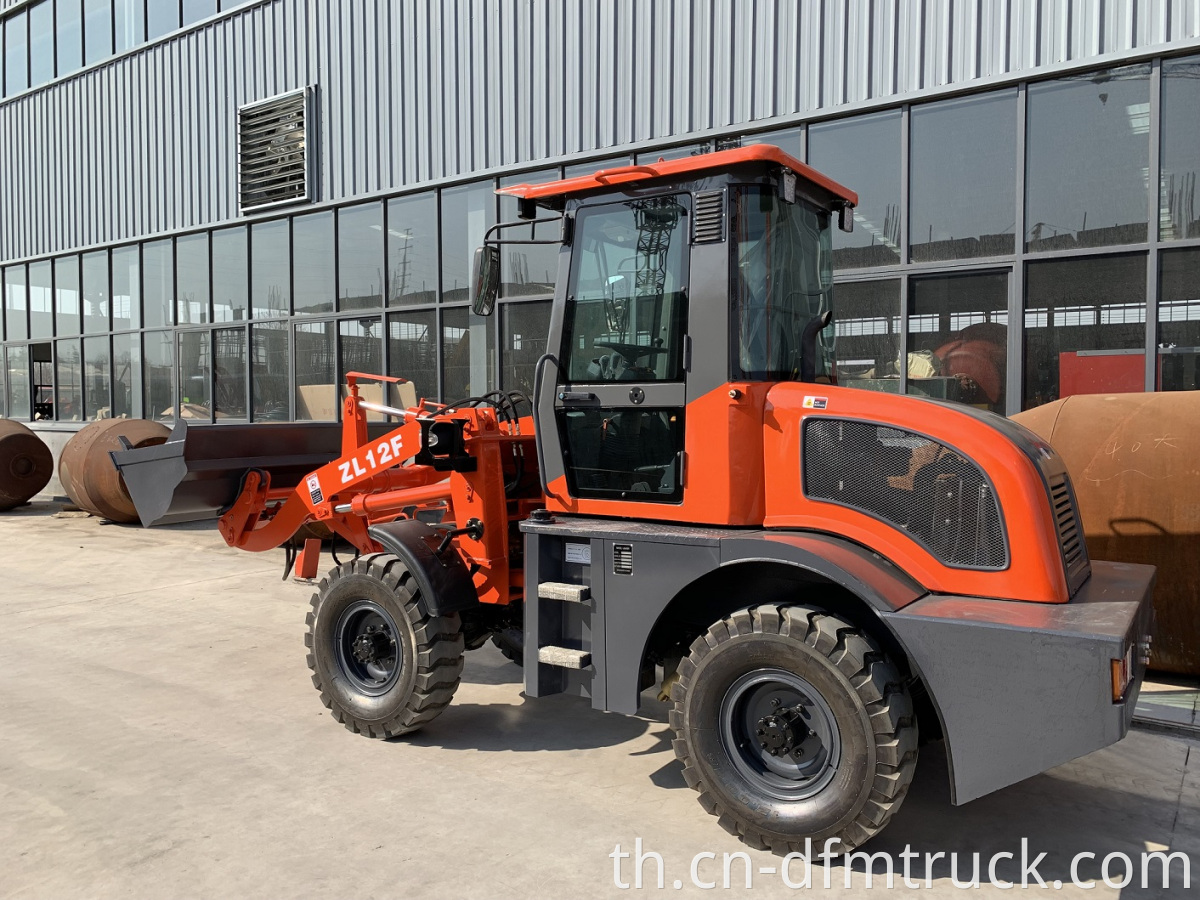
[1122,675]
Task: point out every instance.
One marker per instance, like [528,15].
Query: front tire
[382,667]
[791,724]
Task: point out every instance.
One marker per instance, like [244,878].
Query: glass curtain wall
[230,384]
[1087,154]
[68,398]
[52,38]
[16,303]
[412,350]
[962,182]
[1085,327]
[192,290]
[127,377]
[67,296]
[41,299]
[862,153]
[269,366]
[270,278]
[958,338]
[159,372]
[867,331]
[412,250]
[971,251]
[1179,321]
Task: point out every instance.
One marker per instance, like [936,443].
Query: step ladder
[560,627]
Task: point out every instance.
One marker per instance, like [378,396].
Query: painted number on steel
[368,461]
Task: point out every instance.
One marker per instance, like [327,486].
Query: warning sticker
[314,490]
[815,402]
[579,553]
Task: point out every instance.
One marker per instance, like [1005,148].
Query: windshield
[783,280]
[626,311]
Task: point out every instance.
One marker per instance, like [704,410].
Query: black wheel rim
[368,649]
[780,734]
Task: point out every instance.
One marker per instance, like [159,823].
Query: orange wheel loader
[816,575]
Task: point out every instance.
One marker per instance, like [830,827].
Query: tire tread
[874,679]
[438,653]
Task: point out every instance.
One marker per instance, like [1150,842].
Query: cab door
[620,389]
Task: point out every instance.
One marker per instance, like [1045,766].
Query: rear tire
[511,643]
[790,724]
[383,668]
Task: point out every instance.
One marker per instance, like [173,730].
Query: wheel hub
[367,647]
[781,733]
[373,645]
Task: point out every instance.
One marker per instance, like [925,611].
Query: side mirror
[485,279]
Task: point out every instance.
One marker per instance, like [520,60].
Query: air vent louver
[273,151]
[1070,534]
[709,221]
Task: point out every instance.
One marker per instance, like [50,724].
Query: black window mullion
[247,392]
[291,266]
[437,318]
[212,374]
[385,289]
[337,266]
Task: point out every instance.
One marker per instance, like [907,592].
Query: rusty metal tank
[1134,461]
[26,464]
[88,474]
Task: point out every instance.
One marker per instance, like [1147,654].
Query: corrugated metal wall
[412,91]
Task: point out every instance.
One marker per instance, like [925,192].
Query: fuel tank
[1134,460]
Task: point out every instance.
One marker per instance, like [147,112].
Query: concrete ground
[160,738]
[1171,704]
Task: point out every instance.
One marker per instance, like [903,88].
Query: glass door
[620,403]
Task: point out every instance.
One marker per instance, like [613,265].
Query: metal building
[215,209]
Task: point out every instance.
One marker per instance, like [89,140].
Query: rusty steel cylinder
[1134,461]
[87,472]
[26,464]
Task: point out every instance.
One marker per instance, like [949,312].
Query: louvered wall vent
[710,217]
[273,151]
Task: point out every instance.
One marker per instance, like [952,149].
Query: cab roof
[722,160]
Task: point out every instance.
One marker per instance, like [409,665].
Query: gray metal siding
[411,92]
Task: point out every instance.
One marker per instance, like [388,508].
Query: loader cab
[685,289]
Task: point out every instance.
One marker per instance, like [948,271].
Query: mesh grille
[936,496]
[709,221]
[272,157]
[1070,535]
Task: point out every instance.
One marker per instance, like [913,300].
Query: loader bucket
[197,473]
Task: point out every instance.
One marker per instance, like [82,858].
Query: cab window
[626,313]
[782,279]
